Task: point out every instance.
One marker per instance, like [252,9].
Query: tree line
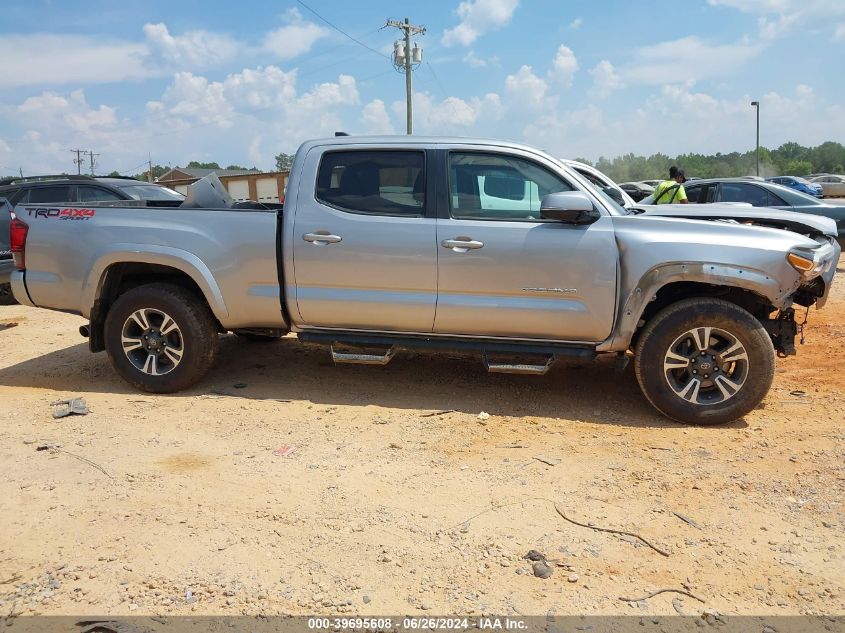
[790,159]
[160,170]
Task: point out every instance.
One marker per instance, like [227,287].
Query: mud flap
[783,329]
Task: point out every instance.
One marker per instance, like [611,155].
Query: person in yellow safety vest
[672,191]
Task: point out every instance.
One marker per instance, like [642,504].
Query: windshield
[610,201]
[151,192]
[597,185]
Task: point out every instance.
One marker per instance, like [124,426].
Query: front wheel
[160,338]
[704,361]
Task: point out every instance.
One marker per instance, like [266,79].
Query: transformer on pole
[406,59]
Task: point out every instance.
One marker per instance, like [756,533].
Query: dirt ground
[178,504]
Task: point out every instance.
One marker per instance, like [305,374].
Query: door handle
[461,244]
[321,238]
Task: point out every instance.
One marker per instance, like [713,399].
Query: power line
[342,32]
[443,92]
[125,171]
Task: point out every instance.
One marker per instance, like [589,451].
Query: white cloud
[452,115]
[192,98]
[565,65]
[526,87]
[567,134]
[687,58]
[689,119]
[375,118]
[605,79]
[474,61]
[839,32]
[50,123]
[576,23]
[782,6]
[294,39]
[193,49]
[72,112]
[477,18]
[756,6]
[46,59]
[344,92]
[781,16]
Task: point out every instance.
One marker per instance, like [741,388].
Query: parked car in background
[637,190]
[651,183]
[833,185]
[799,184]
[760,194]
[7,265]
[83,189]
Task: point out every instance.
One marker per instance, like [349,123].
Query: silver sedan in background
[832,185]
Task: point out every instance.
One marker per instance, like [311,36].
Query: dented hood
[762,216]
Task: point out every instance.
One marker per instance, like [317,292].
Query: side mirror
[616,194]
[571,207]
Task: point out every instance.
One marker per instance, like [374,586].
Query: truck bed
[230,254]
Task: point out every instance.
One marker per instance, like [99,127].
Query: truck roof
[413,140]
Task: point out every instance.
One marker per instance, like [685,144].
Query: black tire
[6,296]
[680,330]
[194,339]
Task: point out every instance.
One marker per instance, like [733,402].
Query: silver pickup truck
[445,244]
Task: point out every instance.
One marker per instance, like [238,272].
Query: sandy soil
[385,509]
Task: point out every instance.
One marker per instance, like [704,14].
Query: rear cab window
[373,182]
[86,193]
[39,195]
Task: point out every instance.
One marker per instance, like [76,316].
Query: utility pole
[78,160]
[756,105]
[92,160]
[405,60]
[150,172]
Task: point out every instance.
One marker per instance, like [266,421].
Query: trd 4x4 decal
[62,214]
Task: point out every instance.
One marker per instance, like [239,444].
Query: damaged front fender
[716,274]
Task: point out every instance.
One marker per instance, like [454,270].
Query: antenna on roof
[341,134]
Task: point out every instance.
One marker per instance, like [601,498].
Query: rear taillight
[17,240]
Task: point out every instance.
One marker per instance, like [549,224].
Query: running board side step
[518,368]
[360,358]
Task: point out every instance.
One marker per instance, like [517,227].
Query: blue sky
[240,82]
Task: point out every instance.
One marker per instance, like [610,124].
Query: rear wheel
[160,337]
[705,361]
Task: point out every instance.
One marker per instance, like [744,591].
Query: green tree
[789,159]
[797,168]
[283,161]
[197,165]
[158,172]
